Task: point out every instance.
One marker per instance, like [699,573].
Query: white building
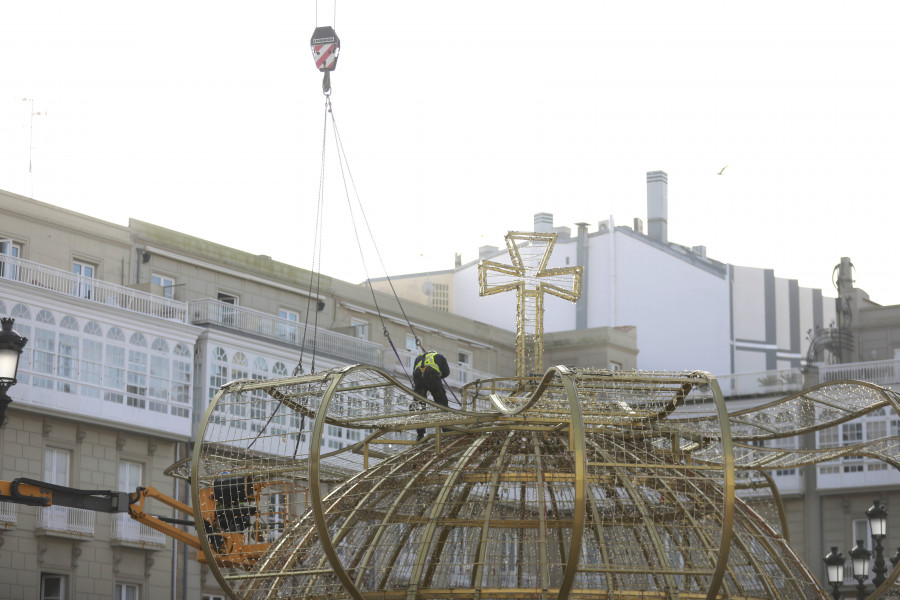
[690,311]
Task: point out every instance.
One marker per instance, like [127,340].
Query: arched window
[44,350]
[93,328]
[114,366]
[67,357]
[159,375]
[22,316]
[218,370]
[259,403]
[136,382]
[279,370]
[181,376]
[239,368]
[91,360]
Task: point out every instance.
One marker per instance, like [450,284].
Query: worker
[429,372]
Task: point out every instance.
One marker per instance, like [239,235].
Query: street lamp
[860,556]
[834,566]
[11,344]
[877,515]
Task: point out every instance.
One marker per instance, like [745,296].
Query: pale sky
[462,119]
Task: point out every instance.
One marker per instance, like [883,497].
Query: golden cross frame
[530,277]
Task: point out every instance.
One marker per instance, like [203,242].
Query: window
[44,350]
[288,331]
[213,597]
[136,386]
[114,368]
[464,366]
[91,360]
[127,591]
[130,475]
[440,297]
[181,375]
[615,366]
[861,532]
[22,315]
[360,328]
[67,357]
[275,517]
[411,350]
[227,311]
[56,466]
[218,371]
[84,274]
[53,587]
[829,438]
[788,443]
[166,283]
[852,433]
[159,371]
[9,269]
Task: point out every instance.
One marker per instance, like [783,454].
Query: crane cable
[325,46]
[345,174]
[343,161]
[316,269]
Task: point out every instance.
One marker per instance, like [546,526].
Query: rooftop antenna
[31,139]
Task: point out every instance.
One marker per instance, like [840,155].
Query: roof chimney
[658,206]
[543,222]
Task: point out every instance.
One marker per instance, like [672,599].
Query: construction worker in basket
[429,372]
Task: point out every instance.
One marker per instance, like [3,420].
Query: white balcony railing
[63,519]
[126,529]
[7,512]
[354,350]
[882,372]
[88,288]
[784,381]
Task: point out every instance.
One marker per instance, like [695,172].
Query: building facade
[131,331]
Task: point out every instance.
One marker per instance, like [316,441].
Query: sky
[461,120]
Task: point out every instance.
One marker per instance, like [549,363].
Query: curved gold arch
[619,483]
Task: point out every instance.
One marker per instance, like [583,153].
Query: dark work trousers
[435,385]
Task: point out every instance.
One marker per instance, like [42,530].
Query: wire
[316,269]
[372,237]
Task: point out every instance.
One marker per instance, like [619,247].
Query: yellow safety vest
[422,365]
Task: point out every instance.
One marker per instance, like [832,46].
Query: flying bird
[723,169]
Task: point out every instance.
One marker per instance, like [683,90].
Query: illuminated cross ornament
[530,277]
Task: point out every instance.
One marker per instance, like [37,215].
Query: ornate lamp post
[877,515]
[11,344]
[860,560]
[834,566]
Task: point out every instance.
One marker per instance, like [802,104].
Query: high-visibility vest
[428,361]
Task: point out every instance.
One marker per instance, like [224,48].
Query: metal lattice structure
[582,484]
[529,276]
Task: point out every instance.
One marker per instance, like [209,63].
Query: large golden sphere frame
[585,483]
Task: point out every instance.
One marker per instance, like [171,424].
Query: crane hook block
[325,46]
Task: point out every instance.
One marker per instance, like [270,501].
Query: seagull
[723,169]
